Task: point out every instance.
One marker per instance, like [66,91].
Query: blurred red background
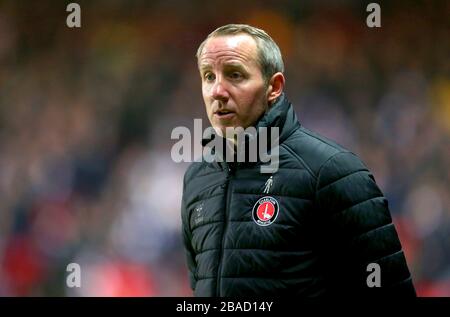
[86,116]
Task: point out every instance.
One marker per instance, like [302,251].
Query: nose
[219,91]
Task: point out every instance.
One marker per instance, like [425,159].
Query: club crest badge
[265,211]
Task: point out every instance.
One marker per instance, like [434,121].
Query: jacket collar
[281,115]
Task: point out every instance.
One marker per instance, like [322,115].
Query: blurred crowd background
[86,116]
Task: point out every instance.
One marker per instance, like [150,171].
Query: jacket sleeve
[357,230]
[186,234]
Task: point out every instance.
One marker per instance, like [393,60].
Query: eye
[236,75]
[209,76]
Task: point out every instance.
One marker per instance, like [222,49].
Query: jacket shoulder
[197,170]
[315,150]
[193,169]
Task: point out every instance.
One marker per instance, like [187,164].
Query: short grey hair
[269,54]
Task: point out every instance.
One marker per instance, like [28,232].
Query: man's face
[233,87]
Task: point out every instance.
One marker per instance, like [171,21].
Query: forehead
[240,48]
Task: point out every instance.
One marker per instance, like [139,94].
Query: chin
[221,130]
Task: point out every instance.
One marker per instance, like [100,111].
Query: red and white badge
[265,211]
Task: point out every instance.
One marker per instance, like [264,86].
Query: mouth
[224,114]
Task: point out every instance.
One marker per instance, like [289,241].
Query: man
[318,225]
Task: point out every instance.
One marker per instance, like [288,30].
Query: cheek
[254,101]
[206,98]
[204,92]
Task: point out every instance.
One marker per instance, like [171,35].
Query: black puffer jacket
[327,221]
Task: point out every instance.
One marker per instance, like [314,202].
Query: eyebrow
[230,64]
[204,66]
[235,65]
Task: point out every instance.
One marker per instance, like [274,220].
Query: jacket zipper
[219,270]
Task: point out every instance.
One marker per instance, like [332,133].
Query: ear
[275,88]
